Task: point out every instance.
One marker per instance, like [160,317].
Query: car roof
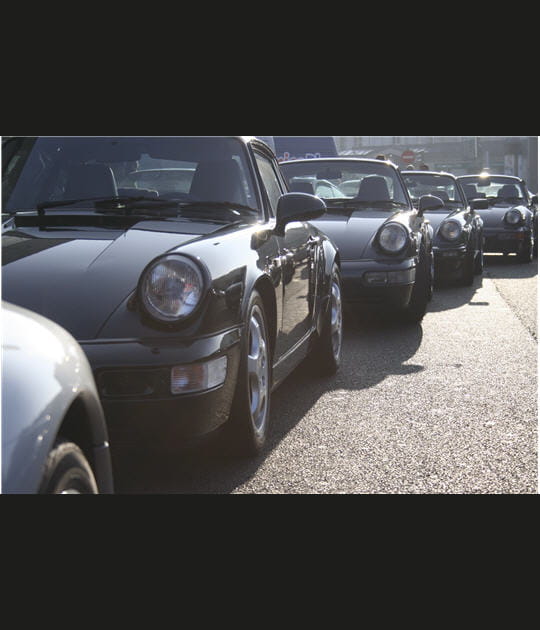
[342,159]
[406,172]
[519,179]
[257,142]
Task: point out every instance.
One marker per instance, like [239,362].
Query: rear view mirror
[429,202]
[297,206]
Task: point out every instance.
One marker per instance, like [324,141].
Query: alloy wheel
[258,372]
[336,321]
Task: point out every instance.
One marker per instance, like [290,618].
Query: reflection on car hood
[79,281]
[493,217]
[352,233]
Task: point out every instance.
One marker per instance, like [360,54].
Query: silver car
[54,436]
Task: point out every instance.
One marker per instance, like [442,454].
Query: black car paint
[498,235]
[354,232]
[451,257]
[86,277]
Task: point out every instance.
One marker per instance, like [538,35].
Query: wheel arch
[266,290]
[84,425]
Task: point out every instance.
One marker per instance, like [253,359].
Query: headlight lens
[450,230]
[393,238]
[172,287]
[513,217]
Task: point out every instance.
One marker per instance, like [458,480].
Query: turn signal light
[197,377]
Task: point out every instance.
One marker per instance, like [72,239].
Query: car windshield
[497,189]
[368,182]
[189,170]
[442,186]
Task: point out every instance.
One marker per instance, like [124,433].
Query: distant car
[54,437]
[510,218]
[384,243]
[166,180]
[458,229]
[190,306]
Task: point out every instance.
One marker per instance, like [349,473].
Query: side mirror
[297,206]
[429,202]
[479,204]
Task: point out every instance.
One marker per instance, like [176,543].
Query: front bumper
[133,378]
[378,282]
[449,260]
[505,239]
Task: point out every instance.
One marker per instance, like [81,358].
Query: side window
[270,180]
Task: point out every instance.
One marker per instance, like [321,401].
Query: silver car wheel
[258,373]
[336,322]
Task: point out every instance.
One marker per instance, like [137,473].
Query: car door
[296,262]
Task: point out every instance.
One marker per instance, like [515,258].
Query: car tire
[67,471]
[467,277]
[479,264]
[247,427]
[327,352]
[526,253]
[416,309]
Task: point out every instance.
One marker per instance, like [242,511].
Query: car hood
[353,233]
[77,279]
[493,217]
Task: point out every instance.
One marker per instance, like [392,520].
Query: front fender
[43,371]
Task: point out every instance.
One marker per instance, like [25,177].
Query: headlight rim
[199,265]
[515,211]
[406,243]
[446,237]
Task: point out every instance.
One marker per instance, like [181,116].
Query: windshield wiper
[142,202]
[360,202]
[495,200]
[126,203]
[236,208]
[139,206]
[390,202]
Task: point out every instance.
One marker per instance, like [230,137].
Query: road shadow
[373,348]
[451,294]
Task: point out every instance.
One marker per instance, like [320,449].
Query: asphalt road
[445,407]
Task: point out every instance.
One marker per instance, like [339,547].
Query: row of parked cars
[158,288]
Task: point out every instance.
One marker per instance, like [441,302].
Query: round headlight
[171,288]
[513,217]
[450,230]
[393,238]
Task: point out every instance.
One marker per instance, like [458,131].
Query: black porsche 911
[457,226]
[510,214]
[384,243]
[193,301]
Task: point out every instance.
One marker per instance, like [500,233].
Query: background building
[460,155]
